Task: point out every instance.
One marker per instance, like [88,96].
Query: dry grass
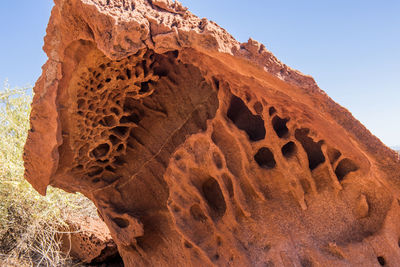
[29,223]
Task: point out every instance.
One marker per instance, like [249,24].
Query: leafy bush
[30,224]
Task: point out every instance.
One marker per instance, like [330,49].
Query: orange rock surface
[199,150]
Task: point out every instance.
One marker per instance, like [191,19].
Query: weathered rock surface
[198,150]
[89,240]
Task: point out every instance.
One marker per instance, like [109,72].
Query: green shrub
[29,222]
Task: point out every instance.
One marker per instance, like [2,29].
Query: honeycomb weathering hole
[242,117]
[381,260]
[289,149]
[217,160]
[258,107]
[313,149]
[101,151]
[265,158]
[121,222]
[214,197]
[344,167]
[280,127]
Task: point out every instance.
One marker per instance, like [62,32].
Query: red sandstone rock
[88,240]
[199,151]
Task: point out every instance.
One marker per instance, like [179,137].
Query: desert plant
[30,224]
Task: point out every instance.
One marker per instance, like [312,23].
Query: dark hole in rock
[217,160]
[188,245]
[313,149]
[95,170]
[121,77]
[145,69]
[120,147]
[100,151]
[114,261]
[216,83]
[108,121]
[144,87]
[248,97]
[114,140]
[265,158]
[137,73]
[110,169]
[381,260]
[119,161]
[81,103]
[121,222]
[79,167]
[108,80]
[133,118]
[128,73]
[214,197]
[344,167]
[289,150]
[242,117]
[115,111]
[280,127]
[258,107]
[120,131]
[272,111]
[174,53]
[102,161]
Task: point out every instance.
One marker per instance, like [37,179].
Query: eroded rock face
[199,151]
[88,240]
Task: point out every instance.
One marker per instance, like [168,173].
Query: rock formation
[199,150]
[88,240]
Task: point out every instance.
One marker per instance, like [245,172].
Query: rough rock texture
[88,240]
[198,150]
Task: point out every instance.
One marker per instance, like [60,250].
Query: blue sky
[351,48]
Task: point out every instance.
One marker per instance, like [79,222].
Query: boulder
[199,150]
[88,240]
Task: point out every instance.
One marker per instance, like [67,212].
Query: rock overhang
[178,132]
